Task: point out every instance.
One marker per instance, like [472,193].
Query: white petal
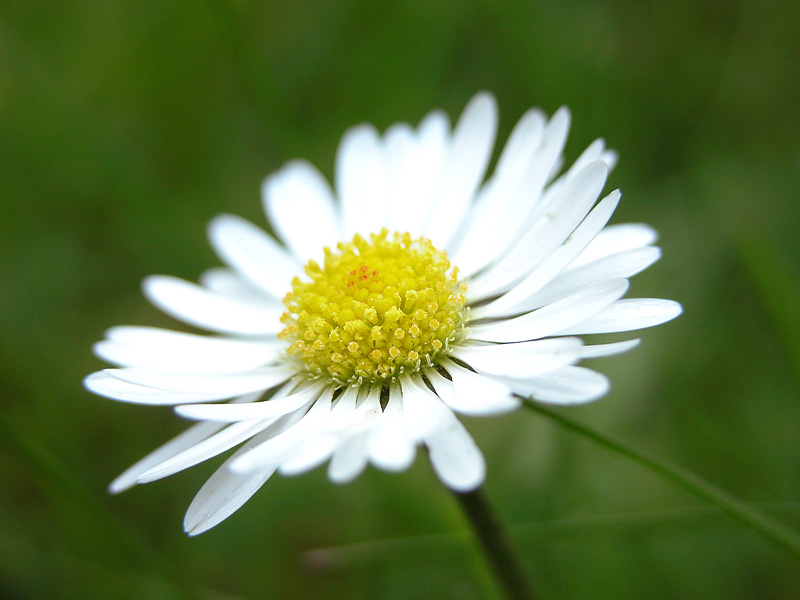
[388,445]
[560,218]
[361,181]
[547,159]
[226,439]
[225,282]
[317,448]
[456,458]
[349,459]
[470,393]
[595,151]
[230,413]
[555,317]
[617,266]
[310,454]
[614,239]
[516,300]
[203,308]
[221,385]
[423,411]
[400,148]
[300,206]
[253,254]
[105,385]
[523,143]
[343,413]
[569,385]
[485,217]
[628,315]
[464,168]
[521,201]
[598,350]
[222,495]
[525,359]
[194,435]
[414,161]
[177,352]
[274,450]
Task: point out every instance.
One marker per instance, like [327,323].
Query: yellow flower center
[374,310]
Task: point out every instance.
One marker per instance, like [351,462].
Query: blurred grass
[125,126]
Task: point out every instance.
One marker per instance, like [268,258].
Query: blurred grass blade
[426,547]
[53,477]
[742,512]
[777,286]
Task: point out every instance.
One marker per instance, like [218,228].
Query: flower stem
[496,545]
[741,511]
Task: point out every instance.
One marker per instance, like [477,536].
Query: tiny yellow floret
[374,309]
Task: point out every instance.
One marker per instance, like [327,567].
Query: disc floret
[374,309]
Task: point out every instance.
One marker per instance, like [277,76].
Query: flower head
[412,291]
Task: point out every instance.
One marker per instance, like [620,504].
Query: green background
[125,126]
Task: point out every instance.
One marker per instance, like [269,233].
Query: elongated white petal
[350,457]
[559,219]
[316,448]
[524,359]
[361,181]
[349,460]
[484,224]
[193,435]
[455,457]
[300,206]
[229,284]
[628,315]
[522,202]
[463,168]
[612,349]
[617,266]
[230,413]
[555,317]
[135,334]
[222,495]
[615,239]
[201,307]
[111,387]
[231,436]
[470,393]
[568,385]
[272,451]
[523,143]
[414,181]
[344,412]
[423,411]
[222,385]
[517,299]
[400,147]
[253,254]
[176,352]
[310,454]
[594,151]
[388,445]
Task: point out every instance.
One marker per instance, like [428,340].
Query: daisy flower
[414,289]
